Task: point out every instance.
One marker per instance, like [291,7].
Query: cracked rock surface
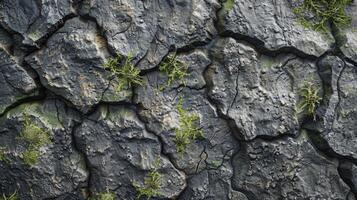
[249,73]
[339,127]
[78,77]
[275,25]
[348,35]
[287,169]
[119,152]
[259,93]
[60,169]
[16,83]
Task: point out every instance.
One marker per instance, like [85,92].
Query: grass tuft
[310,99]
[13,196]
[3,157]
[152,184]
[174,69]
[324,12]
[188,130]
[125,71]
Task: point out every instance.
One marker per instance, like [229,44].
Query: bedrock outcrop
[233,100]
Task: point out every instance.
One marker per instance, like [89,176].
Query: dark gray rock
[211,184]
[149,28]
[72,65]
[330,69]
[5,40]
[339,125]
[348,172]
[35,19]
[354,177]
[338,114]
[247,63]
[275,25]
[60,168]
[121,152]
[287,169]
[260,94]
[213,151]
[16,83]
[349,34]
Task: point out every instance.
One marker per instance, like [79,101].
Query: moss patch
[228,5]
[105,196]
[35,137]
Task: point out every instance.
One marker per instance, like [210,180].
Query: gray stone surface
[260,94]
[275,25]
[214,183]
[339,120]
[247,63]
[349,34]
[34,19]
[354,177]
[72,65]
[149,28]
[287,169]
[16,83]
[121,152]
[211,152]
[348,171]
[60,168]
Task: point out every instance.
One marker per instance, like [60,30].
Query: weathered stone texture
[16,83]
[121,152]
[260,94]
[275,25]
[287,169]
[248,63]
[60,168]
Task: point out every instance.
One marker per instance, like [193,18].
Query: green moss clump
[105,196]
[325,12]
[188,130]
[228,5]
[13,196]
[152,184]
[3,157]
[30,156]
[125,71]
[35,137]
[174,69]
[310,99]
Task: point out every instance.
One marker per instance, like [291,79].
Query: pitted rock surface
[150,28]
[78,77]
[60,169]
[33,19]
[275,25]
[287,169]
[259,93]
[340,127]
[121,152]
[15,82]
[248,66]
[348,35]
